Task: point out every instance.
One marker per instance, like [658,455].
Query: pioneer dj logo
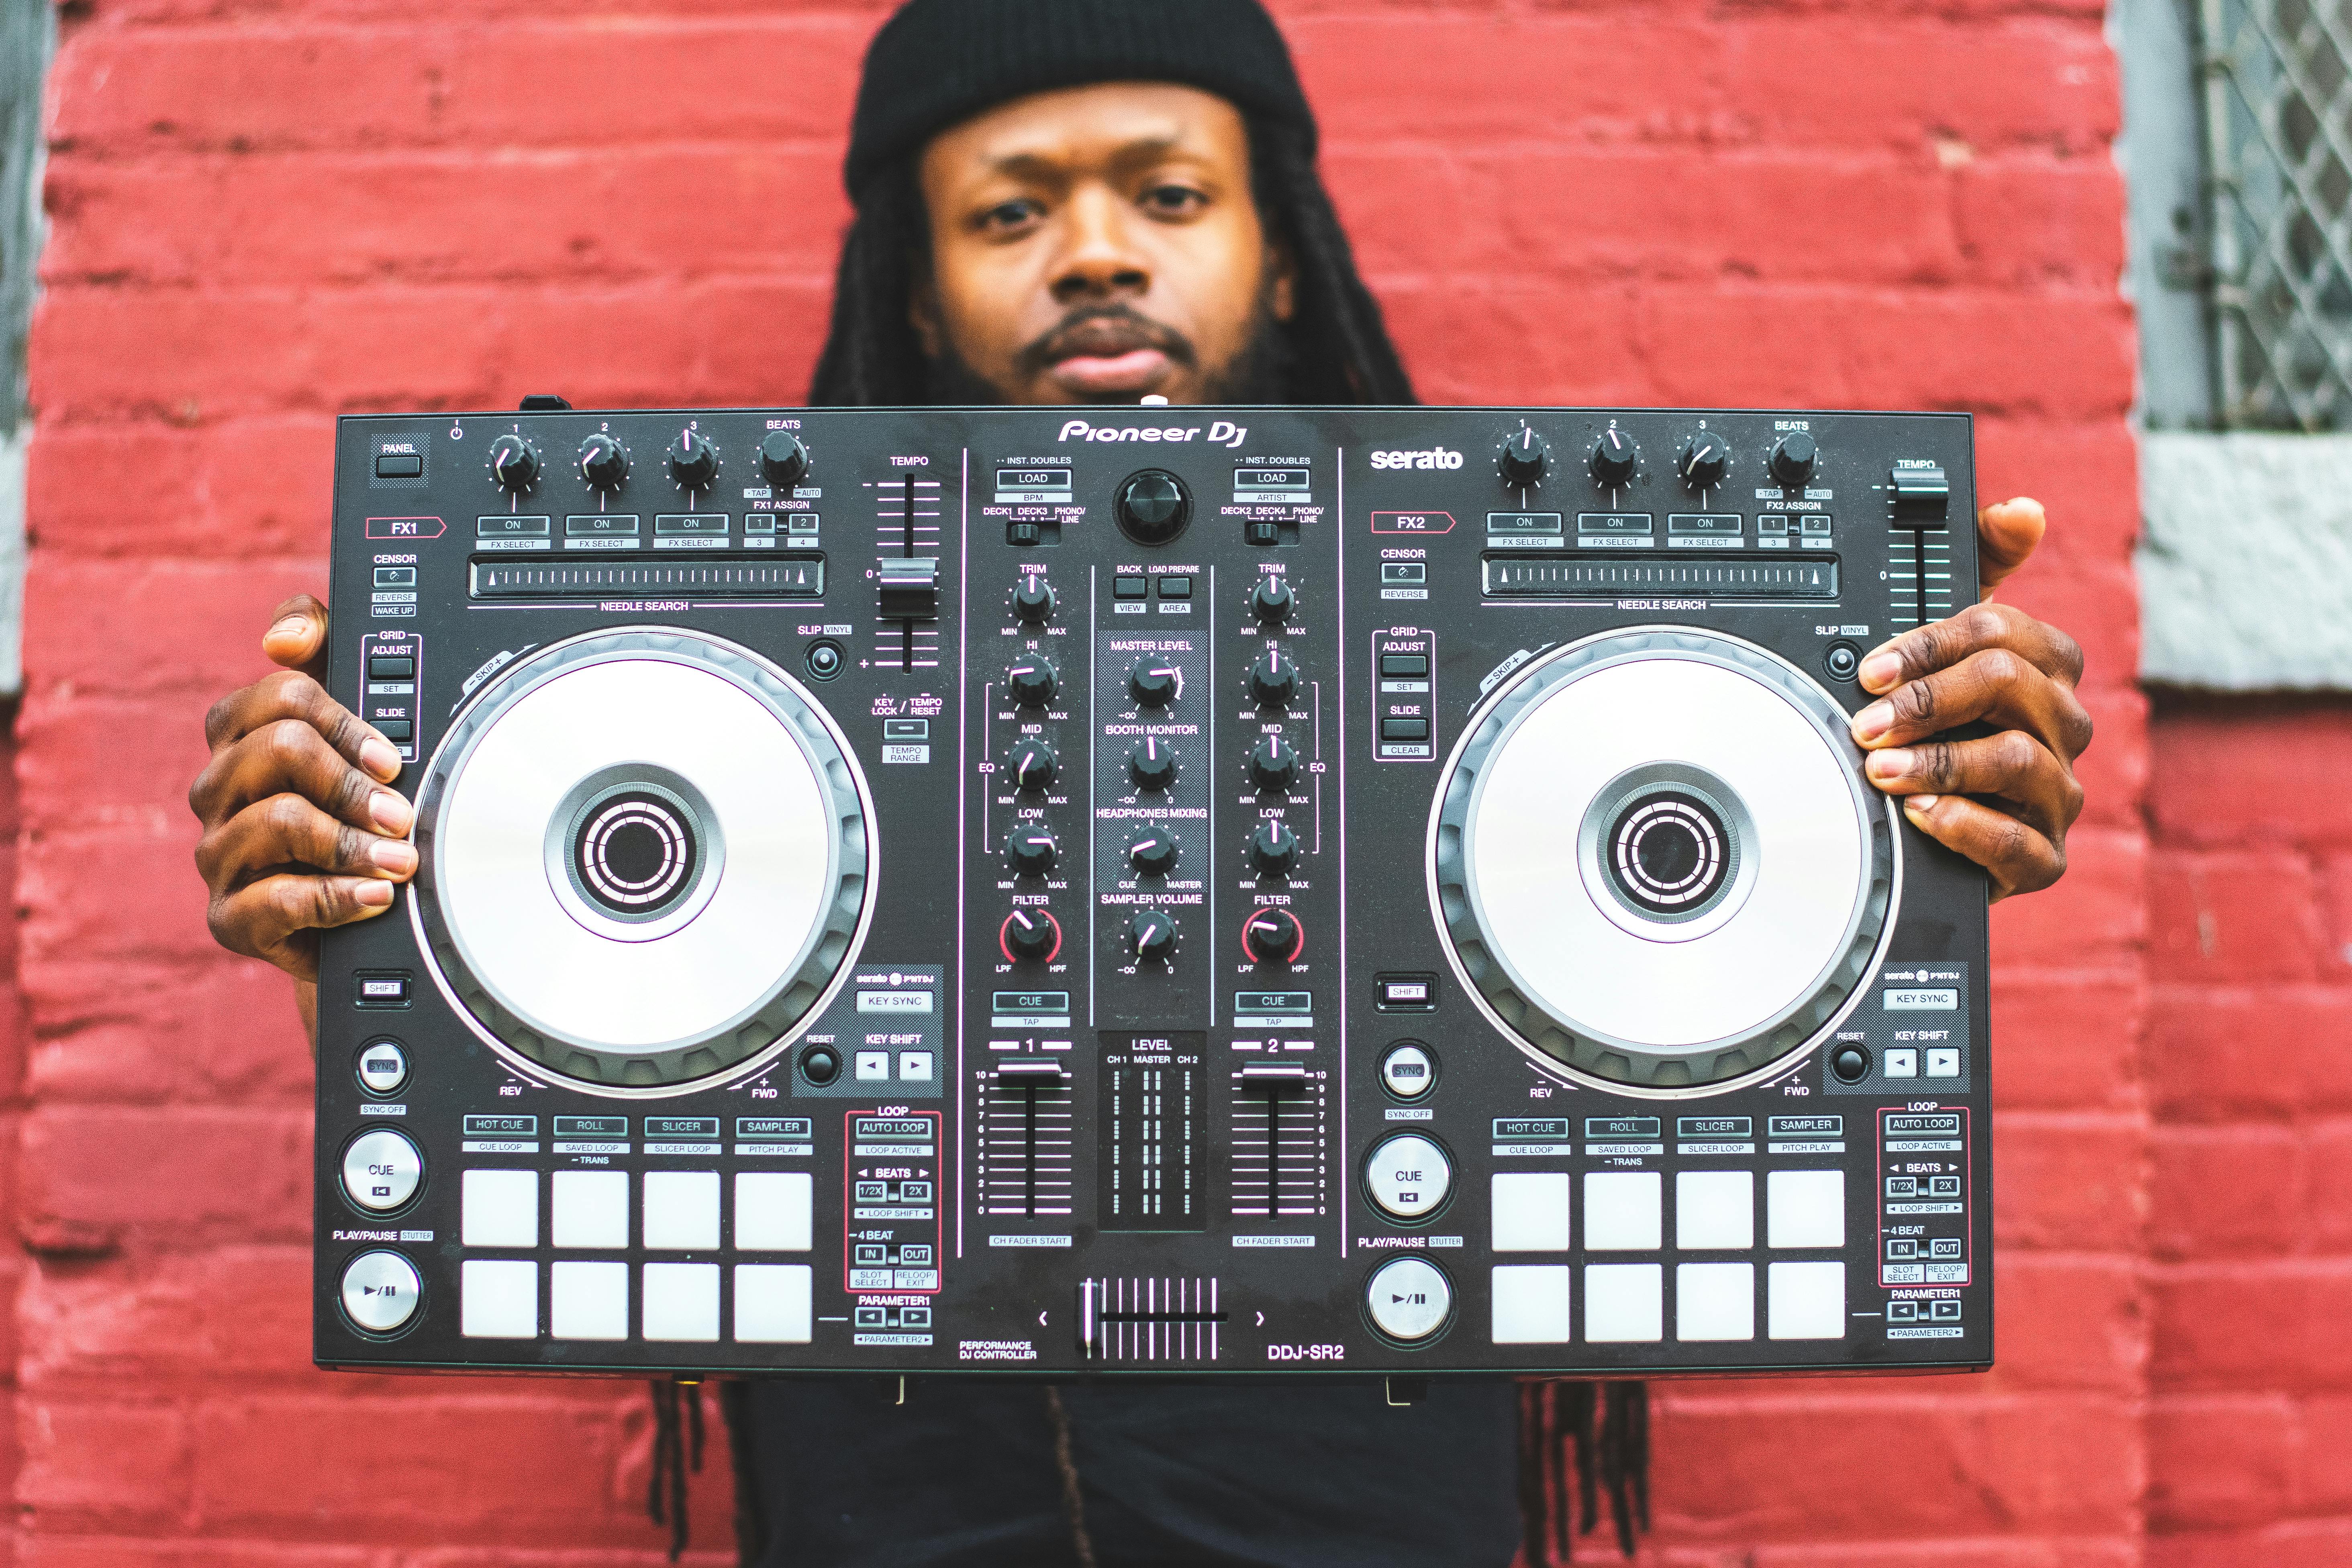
[1435,457]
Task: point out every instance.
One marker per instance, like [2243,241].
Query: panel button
[1530,1210]
[1806,1300]
[682,1211]
[399,465]
[500,1208]
[383,1067]
[1805,1208]
[1408,1070]
[1714,1210]
[588,1208]
[1404,728]
[588,1302]
[1621,1210]
[1715,1301]
[381,1290]
[771,1303]
[1531,1304]
[1624,1302]
[1410,1298]
[498,1298]
[681,1300]
[391,666]
[1408,1175]
[381,1170]
[772,1210]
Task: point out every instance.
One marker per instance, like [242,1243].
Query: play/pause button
[1410,1298]
[380,1291]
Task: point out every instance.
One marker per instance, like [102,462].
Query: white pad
[1714,1210]
[1806,1300]
[591,1208]
[501,1208]
[1531,1304]
[681,1300]
[681,1211]
[771,1303]
[1715,1301]
[1624,1302]
[1620,1211]
[1530,1211]
[588,1301]
[1805,1208]
[772,1211]
[500,1299]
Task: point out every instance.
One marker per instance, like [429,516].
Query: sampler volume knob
[783,459]
[602,463]
[1273,849]
[1033,681]
[1033,764]
[1524,459]
[1032,851]
[1272,764]
[1153,765]
[1155,685]
[1153,854]
[1272,601]
[1273,936]
[1274,679]
[1031,936]
[1706,457]
[1151,936]
[1033,601]
[1152,507]
[1614,457]
[693,461]
[1792,459]
[513,464]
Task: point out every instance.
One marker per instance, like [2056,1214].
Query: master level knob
[1033,681]
[1614,457]
[1151,936]
[1155,683]
[783,459]
[1274,679]
[1032,851]
[1792,459]
[602,463]
[1273,936]
[1152,765]
[1273,849]
[1272,601]
[1030,936]
[693,461]
[1152,507]
[1272,763]
[513,464]
[1153,854]
[1033,601]
[1033,764]
[1525,457]
[1706,457]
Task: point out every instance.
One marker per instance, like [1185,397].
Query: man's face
[1098,244]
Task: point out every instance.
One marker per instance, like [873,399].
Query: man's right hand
[299,834]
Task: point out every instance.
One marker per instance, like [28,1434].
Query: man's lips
[1137,370]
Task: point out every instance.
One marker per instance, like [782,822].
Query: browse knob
[1792,459]
[1614,458]
[603,462]
[1151,936]
[1034,765]
[693,461]
[1153,765]
[1274,679]
[1033,681]
[1273,936]
[1032,851]
[1153,854]
[1525,459]
[1706,457]
[1273,849]
[1272,764]
[1152,507]
[513,464]
[1030,936]
[783,459]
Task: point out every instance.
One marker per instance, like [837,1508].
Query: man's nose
[1098,259]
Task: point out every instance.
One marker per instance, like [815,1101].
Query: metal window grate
[2278,128]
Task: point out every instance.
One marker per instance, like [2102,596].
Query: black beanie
[939,62]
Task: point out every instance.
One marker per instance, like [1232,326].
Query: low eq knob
[1030,936]
[1272,601]
[1153,853]
[513,464]
[1034,765]
[1273,937]
[1152,507]
[693,461]
[783,459]
[1792,459]
[1273,849]
[603,462]
[1706,457]
[1155,683]
[1033,601]
[1272,764]
[1153,765]
[1274,679]
[1613,458]
[1033,681]
[1031,851]
[1151,936]
[1524,458]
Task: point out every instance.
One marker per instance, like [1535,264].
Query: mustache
[1107,330]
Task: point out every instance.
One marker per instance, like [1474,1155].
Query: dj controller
[1149,891]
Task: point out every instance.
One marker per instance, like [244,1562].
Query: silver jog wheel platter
[1657,863]
[646,858]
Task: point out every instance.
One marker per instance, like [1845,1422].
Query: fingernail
[391,813]
[1880,670]
[291,627]
[374,895]
[378,758]
[1874,722]
[1888,766]
[396,855]
[1920,804]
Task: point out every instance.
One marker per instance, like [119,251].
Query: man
[1075,201]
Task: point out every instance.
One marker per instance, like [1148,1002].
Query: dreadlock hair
[1336,348]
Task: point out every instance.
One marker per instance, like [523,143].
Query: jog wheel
[1657,863]
[645,861]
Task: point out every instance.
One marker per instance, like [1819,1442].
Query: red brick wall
[266,212]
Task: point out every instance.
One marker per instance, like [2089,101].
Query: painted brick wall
[266,213]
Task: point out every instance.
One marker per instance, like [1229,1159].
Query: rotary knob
[783,459]
[1033,601]
[693,461]
[1155,684]
[513,464]
[603,462]
[1274,679]
[1153,853]
[1613,458]
[1272,764]
[1151,936]
[1792,459]
[1033,764]
[1272,601]
[1273,937]
[1031,851]
[1524,459]
[1030,936]
[1033,681]
[1152,507]
[1153,765]
[1273,849]
[1706,457]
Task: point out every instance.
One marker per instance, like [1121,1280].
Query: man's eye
[1174,200]
[1011,214]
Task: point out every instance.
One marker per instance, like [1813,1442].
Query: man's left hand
[2007,799]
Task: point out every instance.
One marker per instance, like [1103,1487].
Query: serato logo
[1435,458]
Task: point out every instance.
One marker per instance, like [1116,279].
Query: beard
[1260,372]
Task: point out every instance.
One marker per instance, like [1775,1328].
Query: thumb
[296,637]
[2007,533]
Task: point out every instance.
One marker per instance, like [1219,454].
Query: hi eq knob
[1033,681]
[1613,458]
[603,462]
[1274,679]
[693,461]
[514,464]
[1706,457]
[1523,458]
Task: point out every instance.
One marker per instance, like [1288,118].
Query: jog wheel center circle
[635,853]
[1669,852]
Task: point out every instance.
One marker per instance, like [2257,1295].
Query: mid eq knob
[1153,853]
[1034,765]
[1151,936]
[783,459]
[1033,601]
[1273,937]
[1524,458]
[1613,458]
[1706,457]
[1272,764]
[513,464]
[1273,680]
[603,462]
[693,461]
[1792,459]
[1030,936]
[1155,683]
[1272,601]
[1152,507]
[1033,681]
[1273,849]
[1153,765]
[1031,851]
